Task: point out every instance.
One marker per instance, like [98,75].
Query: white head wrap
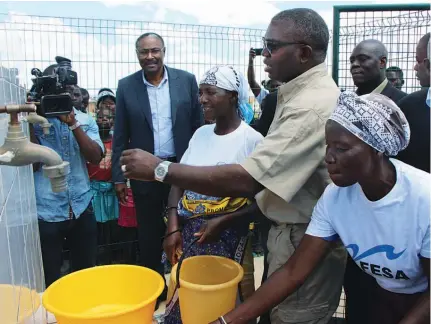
[104,94]
[227,78]
[375,119]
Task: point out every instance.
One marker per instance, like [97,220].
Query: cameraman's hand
[251,55]
[68,119]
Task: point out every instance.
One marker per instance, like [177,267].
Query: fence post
[335,44]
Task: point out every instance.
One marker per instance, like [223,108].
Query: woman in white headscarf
[223,94]
[379,207]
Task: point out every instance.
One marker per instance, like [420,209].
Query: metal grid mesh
[103,51]
[399,30]
[10,90]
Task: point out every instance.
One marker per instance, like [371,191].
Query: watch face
[160,172]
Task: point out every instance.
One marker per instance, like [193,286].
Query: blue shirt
[428,100]
[54,207]
[161,115]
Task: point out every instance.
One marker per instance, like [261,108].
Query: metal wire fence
[103,51]
[10,90]
[399,27]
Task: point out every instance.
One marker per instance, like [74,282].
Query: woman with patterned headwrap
[380,209]
[223,93]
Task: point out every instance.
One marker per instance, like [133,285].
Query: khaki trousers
[318,298]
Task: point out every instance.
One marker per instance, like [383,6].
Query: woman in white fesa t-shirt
[377,206]
[224,92]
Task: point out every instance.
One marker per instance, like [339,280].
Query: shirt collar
[165,78]
[381,86]
[288,90]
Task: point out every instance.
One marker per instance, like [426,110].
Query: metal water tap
[34,118]
[17,149]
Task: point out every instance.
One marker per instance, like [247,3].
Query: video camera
[49,91]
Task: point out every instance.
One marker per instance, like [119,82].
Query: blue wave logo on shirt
[389,250]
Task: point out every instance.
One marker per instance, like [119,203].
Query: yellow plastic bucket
[113,294]
[17,304]
[208,287]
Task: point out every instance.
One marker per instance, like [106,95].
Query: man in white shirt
[157,110]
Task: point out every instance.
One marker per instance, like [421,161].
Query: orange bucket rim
[55,311]
[235,281]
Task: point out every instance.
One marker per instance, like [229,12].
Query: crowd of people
[337,180]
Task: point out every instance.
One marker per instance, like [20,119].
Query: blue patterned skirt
[231,245]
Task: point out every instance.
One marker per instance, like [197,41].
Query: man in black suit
[368,67]
[417,112]
[268,106]
[157,111]
[395,76]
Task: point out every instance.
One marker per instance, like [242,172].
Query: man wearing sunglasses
[286,173]
[157,110]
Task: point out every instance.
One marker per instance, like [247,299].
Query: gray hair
[309,27]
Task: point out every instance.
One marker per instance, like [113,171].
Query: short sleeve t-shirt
[206,148]
[386,237]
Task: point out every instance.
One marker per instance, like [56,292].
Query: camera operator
[68,215]
[259,92]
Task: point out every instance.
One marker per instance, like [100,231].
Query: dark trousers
[367,302]
[150,209]
[116,244]
[81,234]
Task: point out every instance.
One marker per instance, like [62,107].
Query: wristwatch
[74,126]
[161,170]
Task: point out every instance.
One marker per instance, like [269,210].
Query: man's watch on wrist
[161,171]
[74,126]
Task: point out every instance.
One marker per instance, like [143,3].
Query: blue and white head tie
[375,119]
[227,78]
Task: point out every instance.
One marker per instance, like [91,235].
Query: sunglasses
[273,45]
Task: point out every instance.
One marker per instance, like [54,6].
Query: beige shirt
[381,87]
[289,162]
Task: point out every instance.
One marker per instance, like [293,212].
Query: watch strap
[74,126]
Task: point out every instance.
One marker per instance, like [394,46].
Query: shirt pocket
[46,138]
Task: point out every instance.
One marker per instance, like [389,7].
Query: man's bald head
[373,46]
[368,63]
[422,66]
[423,47]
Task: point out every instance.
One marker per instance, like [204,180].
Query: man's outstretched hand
[139,165]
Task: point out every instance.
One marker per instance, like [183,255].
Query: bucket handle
[183,256]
